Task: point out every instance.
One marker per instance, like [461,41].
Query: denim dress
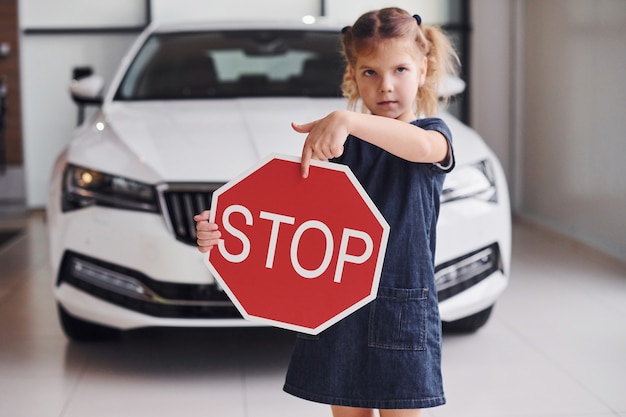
[386,355]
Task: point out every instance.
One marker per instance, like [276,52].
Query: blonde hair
[375,26]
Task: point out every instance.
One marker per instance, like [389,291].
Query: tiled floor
[555,347]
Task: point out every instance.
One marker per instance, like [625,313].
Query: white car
[191,107]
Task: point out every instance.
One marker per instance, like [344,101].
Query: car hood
[211,140]
[468,146]
[196,140]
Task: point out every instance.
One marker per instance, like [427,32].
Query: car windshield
[225,64]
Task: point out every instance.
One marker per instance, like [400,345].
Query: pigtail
[349,88]
[443,61]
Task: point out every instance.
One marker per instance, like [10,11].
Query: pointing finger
[305,163]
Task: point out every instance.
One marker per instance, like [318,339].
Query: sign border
[379,262]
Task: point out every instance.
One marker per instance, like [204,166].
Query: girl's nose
[386,85]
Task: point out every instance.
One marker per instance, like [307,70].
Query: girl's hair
[389,23]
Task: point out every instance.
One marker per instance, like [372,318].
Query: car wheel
[84,331]
[467,324]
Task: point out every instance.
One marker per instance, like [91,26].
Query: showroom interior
[544,89]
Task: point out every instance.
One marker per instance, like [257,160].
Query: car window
[224,64]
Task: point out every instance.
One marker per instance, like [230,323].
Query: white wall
[173,10]
[575,119]
[80,13]
[492,77]
[431,11]
[548,95]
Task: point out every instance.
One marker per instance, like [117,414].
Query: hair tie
[345,29]
[418,18]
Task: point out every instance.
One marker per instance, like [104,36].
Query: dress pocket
[398,319]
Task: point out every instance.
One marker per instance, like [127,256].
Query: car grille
[180,202]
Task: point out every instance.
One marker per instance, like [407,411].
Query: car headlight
[83,187]
[470,181]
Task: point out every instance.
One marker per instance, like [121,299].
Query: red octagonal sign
[297,253]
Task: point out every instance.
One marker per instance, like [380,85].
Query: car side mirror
[87,90]
[451,86]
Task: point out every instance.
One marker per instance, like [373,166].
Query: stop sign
[297,253]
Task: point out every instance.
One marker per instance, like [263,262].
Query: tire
[467,324]
[84,331]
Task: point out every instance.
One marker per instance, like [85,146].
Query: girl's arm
[326,137]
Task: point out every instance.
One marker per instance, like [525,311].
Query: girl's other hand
[325,138]
[207,233]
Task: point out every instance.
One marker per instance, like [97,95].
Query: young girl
[387,355]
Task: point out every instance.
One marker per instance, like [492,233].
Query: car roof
[171,27]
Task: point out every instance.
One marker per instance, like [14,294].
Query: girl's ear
[351,72]
[352,76]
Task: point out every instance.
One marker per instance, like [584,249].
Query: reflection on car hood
[212,140]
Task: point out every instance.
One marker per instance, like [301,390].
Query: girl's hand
[325,138]
[207,233]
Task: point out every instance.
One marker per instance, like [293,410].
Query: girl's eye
[401,69]
[369,73]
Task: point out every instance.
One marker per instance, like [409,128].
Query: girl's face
[388,78]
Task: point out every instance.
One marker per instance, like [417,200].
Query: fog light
[473,267]
[108,279]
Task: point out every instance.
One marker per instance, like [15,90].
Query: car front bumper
[126,269]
